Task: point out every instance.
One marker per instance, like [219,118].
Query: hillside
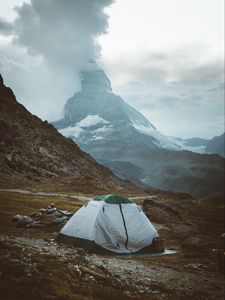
[216,145]
[34,153]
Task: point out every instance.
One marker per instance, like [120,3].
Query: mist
[48,44]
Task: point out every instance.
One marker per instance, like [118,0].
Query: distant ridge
[120,137]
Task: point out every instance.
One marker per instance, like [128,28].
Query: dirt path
[28,192]
[76,196]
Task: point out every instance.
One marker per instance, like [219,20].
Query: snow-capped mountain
[96,113]
[118,136]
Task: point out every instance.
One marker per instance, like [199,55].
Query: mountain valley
[119,137]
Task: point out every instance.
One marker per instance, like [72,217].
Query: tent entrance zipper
[125,227]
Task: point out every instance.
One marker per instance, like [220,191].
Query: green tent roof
[113,199]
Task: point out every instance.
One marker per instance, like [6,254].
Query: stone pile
[44,217]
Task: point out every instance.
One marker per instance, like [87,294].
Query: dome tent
[111,223]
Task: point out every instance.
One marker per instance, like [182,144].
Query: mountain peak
[95,81]
[96,101]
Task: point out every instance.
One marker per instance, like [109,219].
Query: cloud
[180,91]
[52,42]
[64,32]
[6,28]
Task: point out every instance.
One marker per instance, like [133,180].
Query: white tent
[110,222]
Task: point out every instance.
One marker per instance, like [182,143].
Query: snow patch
[96,138]
[91,120]
[73,132]
[163,141]
[142,123]
[160,139]
[104,129]
[148,130]
[81,127]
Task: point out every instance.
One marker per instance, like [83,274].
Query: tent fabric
[113,199]
[120,228]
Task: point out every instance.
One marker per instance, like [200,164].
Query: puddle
[129,256]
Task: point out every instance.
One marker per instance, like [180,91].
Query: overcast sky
[164,57]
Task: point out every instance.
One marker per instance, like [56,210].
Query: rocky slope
[121,138]
[34,151]
[216,145]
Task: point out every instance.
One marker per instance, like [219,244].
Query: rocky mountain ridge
[118,136]
[33,150]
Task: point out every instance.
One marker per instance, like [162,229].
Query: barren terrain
[34,266]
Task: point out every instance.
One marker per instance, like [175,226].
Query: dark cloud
[64,32]
[52,42]
[6,28]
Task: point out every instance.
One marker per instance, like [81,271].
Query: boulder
[44,217]
[183,231]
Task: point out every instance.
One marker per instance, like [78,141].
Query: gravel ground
[134,277]
[39,268]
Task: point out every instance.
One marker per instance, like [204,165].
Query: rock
[65,212]
[93,273]
[50,210]
[37,216]
[25,220]
[17,218]
[61,220]
[35,224]
[58,214]
[80,251]
[77,270]
[183,231]
[45,217]
[160,212]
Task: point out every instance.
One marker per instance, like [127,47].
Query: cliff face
[33,150]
